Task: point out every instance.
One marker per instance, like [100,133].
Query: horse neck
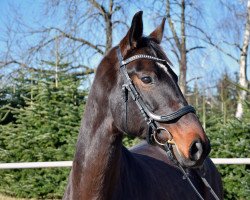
[97,160]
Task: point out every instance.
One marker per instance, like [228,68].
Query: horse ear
[134,33]
[157,34]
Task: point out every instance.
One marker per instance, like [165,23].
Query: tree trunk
[57,62]
[108,32]
[180,43]
[243,66]
[204,110]
[183,51]
[109,26]
[107,15]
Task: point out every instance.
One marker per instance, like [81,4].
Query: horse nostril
[196,151]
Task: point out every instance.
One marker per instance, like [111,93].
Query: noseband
[150,117]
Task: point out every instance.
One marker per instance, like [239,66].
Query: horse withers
[135,91]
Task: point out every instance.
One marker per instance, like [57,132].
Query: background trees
[45,129]
[48,55]
[82,33]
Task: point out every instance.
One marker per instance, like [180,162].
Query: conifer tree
[45,130]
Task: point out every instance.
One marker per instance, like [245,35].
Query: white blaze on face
[163,67]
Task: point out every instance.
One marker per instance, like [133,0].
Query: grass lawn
[2,197]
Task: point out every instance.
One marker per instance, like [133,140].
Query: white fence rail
[26,165]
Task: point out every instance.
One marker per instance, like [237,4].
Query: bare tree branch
[111,4]
[87,70]
[194,48]
[233,44]
[23,65]
[99,7]
[44,44]
[67,35]
[209,40]
[195,78]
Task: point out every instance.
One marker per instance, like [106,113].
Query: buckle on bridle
[124,92]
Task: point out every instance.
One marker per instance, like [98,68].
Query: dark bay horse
[134,82]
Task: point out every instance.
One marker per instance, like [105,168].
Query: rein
[150,117]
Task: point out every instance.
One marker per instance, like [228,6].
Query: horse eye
[146,79]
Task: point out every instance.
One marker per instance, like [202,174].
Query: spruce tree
[44,130]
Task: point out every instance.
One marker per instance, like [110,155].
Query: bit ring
[170,141]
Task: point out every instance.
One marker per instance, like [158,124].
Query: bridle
[129,88]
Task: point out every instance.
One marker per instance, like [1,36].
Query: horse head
[157,86]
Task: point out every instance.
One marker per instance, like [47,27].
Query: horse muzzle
[198,152]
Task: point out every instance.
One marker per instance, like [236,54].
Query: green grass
[3,197]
